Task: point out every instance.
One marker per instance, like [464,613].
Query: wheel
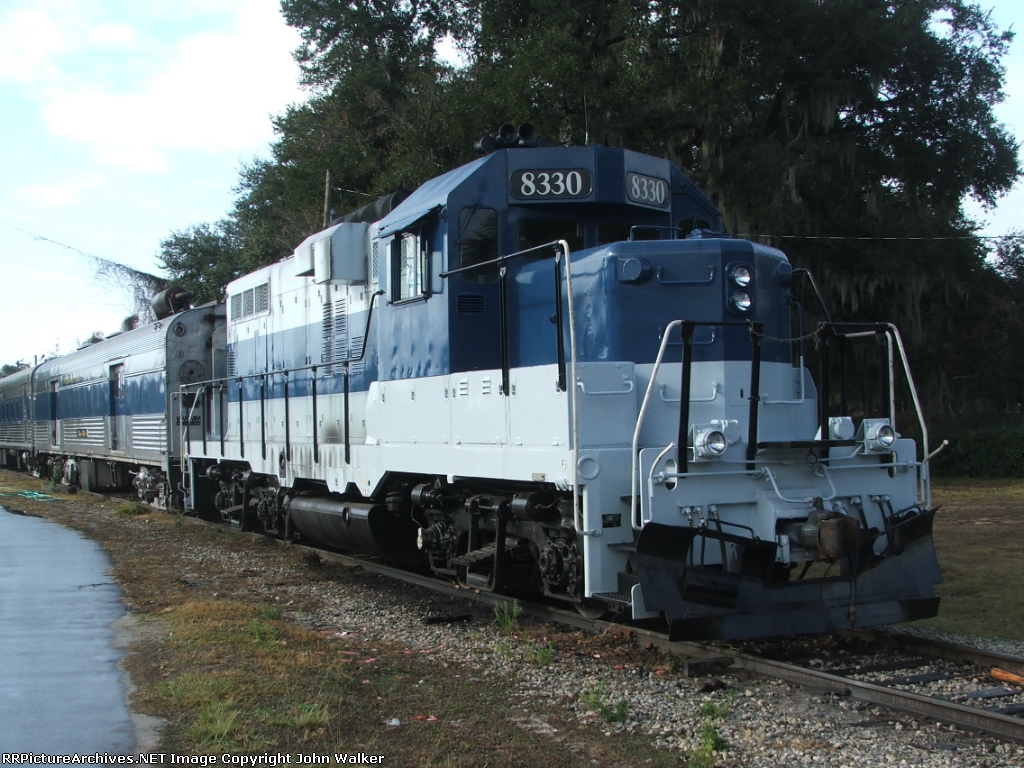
[592,611]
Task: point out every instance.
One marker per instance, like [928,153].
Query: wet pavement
[61,690]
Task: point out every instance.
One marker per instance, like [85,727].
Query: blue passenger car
[103,415]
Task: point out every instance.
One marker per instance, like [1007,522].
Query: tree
[865,122]
[8,368]
[203,259]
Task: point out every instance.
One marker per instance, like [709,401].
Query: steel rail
[940,649]
[915,704]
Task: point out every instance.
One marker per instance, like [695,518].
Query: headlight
[740,275]
[878,435]
[708,442]
[741,300]
[885,436]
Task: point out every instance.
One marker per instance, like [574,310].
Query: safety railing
[824,334]
[222,385]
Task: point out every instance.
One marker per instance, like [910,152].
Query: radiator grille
[327,356]
[261,297]
[471,304]
[356,366]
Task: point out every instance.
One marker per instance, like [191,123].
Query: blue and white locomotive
[551,370]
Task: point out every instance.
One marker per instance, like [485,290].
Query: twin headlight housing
[741,277]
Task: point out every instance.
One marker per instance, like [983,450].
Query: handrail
[222,383]
[893,334]
[635,457]
[500,263]
[625,380]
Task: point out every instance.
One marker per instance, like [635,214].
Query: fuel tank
[363,528]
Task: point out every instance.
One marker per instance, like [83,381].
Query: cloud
[112,34]
[63,194]
[130,97]
[29,41]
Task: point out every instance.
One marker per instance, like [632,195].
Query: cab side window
[409,267]
[478,242]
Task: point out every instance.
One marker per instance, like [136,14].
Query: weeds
[507,617]
[56,476]
[503,649]
[711,741]
[599,701]
[538,654]
[131,509]
[271,612]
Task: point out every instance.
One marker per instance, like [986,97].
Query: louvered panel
[87,432]
[42,433]
[340,329]
[149,433]
[328,356]
[356,366]
[14,432]
[471,304]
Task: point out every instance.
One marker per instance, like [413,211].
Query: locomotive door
[116,406]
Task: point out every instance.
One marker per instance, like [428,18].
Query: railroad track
[995,709]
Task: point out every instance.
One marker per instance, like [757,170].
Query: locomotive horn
[528,136]
[507,135]
[485,145]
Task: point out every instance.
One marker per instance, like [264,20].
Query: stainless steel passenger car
[102,415]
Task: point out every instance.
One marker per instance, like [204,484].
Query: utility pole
[327,199]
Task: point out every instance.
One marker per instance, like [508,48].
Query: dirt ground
[219,655]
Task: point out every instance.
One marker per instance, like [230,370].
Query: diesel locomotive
[548,371]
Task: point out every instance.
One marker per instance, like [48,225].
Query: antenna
[586,122]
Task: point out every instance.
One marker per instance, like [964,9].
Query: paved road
[60,686]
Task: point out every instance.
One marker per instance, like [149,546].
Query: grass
[709,714]
[507,617]
[131,509]
[979,534]
[223,665]
[599,701]
[293,689]
[538,654]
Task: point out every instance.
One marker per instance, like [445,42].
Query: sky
[124,121]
